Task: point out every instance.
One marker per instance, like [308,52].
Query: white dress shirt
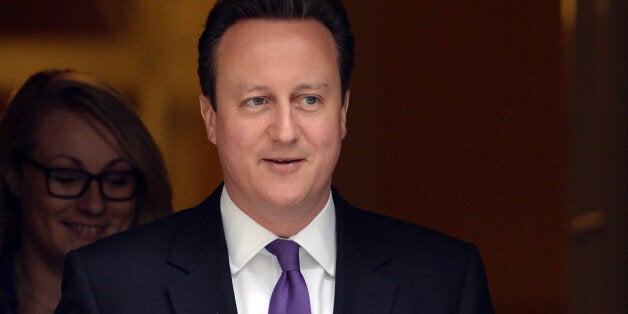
[255,271]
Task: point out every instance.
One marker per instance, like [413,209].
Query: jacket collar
[365,279]
[200,252]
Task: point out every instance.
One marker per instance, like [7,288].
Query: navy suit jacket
[180,264]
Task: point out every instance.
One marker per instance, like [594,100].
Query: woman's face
[52,226]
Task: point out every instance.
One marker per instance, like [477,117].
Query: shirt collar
[245,237]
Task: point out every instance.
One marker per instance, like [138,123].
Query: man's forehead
[244,30]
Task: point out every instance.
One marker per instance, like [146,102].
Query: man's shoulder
[398,237]
[391,229]
[447,273]
[131,271]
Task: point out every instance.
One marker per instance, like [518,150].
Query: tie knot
[287,252]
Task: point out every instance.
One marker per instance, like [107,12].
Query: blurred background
[499,122]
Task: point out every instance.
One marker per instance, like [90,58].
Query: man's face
[280,120]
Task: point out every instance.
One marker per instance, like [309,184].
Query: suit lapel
[365,280]
[200,252]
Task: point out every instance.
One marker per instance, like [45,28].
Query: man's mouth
[283,161]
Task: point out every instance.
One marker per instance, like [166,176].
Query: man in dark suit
[275,76]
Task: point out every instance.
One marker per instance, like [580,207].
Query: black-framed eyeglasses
[68,183]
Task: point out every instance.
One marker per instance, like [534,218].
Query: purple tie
[290,295]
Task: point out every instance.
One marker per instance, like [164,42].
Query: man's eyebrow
[245,88]
[314,86]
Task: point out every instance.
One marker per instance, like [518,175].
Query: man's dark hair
[226,13]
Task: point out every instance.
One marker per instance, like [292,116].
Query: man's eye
[310,100]
[257,101]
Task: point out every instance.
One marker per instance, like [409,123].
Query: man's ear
[209,117]
[343,113]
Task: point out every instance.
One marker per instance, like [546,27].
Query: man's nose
[285,126]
